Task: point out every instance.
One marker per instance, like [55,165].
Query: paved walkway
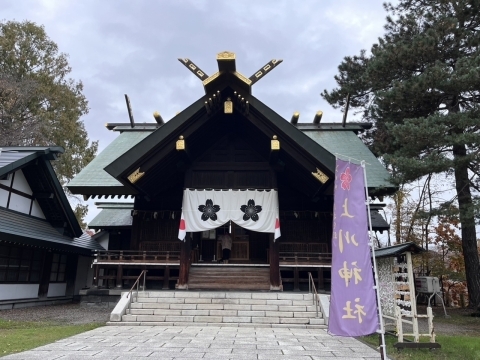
[210,342]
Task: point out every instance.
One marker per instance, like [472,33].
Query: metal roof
[94,177]
[399,249]
[348,146]
[14,157]
[113,217]
[21,228]
[378,222]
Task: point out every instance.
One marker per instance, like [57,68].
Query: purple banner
[353,308]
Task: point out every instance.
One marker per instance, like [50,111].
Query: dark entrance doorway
[249,247]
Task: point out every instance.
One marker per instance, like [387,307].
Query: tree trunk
[467,219]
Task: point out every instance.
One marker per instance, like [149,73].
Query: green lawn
[453,347]
[18,336]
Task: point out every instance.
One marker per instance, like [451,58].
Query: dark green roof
[113,215]
[93,179]
[399,249]
[23,229]
[348,146]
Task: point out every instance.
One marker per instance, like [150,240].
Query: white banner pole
[379,305]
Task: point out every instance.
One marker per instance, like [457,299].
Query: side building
[44,255]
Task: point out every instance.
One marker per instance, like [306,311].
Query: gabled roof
[35,163]
[94,180]
[399,249]
[308,154]
[24,229]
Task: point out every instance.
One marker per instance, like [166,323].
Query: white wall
[36,210]
[3,198]
[83,268]
[19,203]
[18,291]
[20,183]
[56,289]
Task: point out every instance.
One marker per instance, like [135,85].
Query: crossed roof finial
[226,64]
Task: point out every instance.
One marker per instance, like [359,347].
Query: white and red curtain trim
[255,210]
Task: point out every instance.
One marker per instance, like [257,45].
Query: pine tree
[39,104]
[420,88]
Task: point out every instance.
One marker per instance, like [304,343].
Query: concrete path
[209,342]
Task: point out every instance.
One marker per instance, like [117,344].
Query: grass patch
[16,336]
[453,347]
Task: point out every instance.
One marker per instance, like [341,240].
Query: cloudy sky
[118,47]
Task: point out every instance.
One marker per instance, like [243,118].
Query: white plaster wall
[19,203]
[18,291]
[3,198]
[20,183]
[37,210]
[83,268]
[6,182]
[56,289]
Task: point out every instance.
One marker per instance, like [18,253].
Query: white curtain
[256,210]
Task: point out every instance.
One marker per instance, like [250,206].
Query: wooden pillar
[119,281]
[320,283]
[95,279]
[274,264]
[296,285]
[184,263]
[166,278]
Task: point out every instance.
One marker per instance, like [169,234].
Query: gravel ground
[66,313]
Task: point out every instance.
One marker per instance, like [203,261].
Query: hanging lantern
[180,145]
[275,145]
[228,106]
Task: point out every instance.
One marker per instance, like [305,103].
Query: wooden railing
[133,256]
[305,257]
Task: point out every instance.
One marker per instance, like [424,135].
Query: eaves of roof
[24,229]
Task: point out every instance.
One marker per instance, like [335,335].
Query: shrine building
[227,164]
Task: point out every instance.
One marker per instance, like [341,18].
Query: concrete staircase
[229,278]
[198,308]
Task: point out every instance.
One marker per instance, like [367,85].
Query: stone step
[219,319]
[226,295]
[249,325]
[223,312]
[224,308]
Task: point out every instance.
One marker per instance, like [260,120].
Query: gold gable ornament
[180,145]
[275,143]
[135,176]
[228,106]
[320,176]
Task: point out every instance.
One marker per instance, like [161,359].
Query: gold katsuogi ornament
[135,176]
[320,176]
